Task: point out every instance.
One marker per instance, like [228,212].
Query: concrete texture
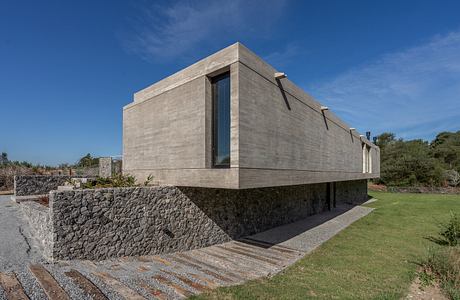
[39,219]
[279,135]
[105,167]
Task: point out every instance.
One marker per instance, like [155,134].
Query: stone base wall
[29,185]
[6,183]
[351,192]
[103,223]
[39,219]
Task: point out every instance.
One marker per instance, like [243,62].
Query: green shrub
[115,181]
[450,231]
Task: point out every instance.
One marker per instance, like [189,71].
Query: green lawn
[374,258]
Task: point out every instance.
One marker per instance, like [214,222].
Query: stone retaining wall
[29,185]
[6,183]
[39,219]
[351,192]
[103,223]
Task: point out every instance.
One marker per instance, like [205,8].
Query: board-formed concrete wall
[279,135]
[285,138]
[174,138]
[103,223]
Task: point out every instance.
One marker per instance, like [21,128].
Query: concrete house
[232,121]
[234,149]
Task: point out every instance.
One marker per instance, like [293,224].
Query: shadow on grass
[436,240]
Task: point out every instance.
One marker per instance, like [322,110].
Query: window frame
[215,120]
[367,160]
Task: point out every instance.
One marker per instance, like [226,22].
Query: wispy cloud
[283,57]
[166,32]
[414,93]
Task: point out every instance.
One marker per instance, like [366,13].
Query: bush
[118,180]
[450,231]
[443,265]
[452,177]
[115,181]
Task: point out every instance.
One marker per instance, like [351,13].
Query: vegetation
[449,233]
[418,162]
[5,162]
[443,263]
[376,257]
[87,161]
[115,181]
[87,165]
[118,180]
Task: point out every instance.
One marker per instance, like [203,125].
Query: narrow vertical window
[370,159]
[221,121]
[367,160]
[364,157]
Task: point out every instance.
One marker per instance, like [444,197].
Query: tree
[88,161]
[446,148]
[384,139]
[4,158]
[408,163]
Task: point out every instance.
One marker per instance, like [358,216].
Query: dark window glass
[221,120]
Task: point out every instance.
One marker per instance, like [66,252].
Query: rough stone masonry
[103,223]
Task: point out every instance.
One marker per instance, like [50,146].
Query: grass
[443,265]
[375,258]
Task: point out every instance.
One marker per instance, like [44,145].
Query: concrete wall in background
[105,167]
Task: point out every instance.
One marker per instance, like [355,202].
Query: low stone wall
[6,183]
[424,190]
[39,219]
[103,223]
[29,185]
[351,192]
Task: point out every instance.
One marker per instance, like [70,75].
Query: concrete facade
[279,134]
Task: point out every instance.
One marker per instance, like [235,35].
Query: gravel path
[306,235]
[17,247]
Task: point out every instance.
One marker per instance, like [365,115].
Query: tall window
[221,121]
[367,159]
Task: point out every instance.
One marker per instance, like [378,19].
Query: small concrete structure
[105,167]
[272,132]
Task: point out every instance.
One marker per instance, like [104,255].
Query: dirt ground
[419,292]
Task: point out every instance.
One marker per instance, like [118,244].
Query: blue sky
[68,67]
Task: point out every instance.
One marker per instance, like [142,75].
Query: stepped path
[24,274]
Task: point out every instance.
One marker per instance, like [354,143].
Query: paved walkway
[172,276]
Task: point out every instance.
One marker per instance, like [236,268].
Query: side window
[367,160]
[370,159]
[221,121]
